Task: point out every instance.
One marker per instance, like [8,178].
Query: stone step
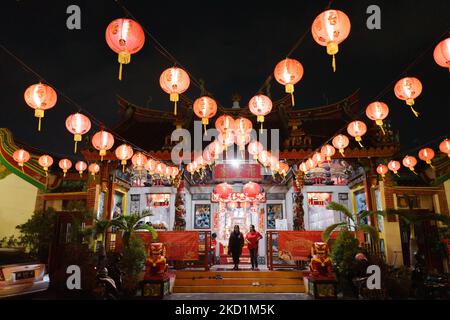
[237,281]
[240,289]
[239,274]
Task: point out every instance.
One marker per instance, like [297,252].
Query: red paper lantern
[377,111]
[161,169]
[242,140]
[216,149]
[65,165]
[175,172]
[274,164]
[125,37]
[330,28]
[288,72]
[264,157]
[251,189]
[254,148]
[94,168]
[328,151]
[102,141]
[207,156]
[382,170]
[357,129]
[190,168]
[409,162]
[426,154]
[124,152]
[224,190]
[81,166]
[444,147]
[310,163]
[139,160]
[441,53]
[243,126]
[284,168]
[174,81]
[21,156]
[260,105]
[226,139]
[303,167]
[150,166]
[394,166]
[318,158]
[225,123]
[40,97]
[205,108]
[45,161]
[78,124]
[408,89]
[341,142]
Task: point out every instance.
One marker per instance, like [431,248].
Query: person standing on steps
[252,239]
[235,244]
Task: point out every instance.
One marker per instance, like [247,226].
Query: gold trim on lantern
[359,139]
[124,57]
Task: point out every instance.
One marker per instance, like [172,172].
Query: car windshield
[10,256]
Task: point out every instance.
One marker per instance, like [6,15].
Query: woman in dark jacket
[235,244]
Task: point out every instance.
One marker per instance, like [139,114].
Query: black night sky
[233,46]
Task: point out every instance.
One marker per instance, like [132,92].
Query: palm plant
[356,224]
[129,223]
[101,227]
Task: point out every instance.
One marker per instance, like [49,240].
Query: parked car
[19,274]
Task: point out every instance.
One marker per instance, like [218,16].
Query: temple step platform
[242,281]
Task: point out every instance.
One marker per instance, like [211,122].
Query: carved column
[299,214]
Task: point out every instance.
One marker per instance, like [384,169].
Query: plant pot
[130,285]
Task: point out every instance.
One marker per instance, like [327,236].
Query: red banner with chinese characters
[180,245]
[296,245]
[226,172]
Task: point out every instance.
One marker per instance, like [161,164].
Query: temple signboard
[229,172]
[238,197]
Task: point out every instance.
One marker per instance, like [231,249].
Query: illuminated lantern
[284,168]
[21,156]
[328,151]
[207,156]
[260,105]
[65,165]
[174,81]
[225,123]
[330,28]
[251,189]
[426,154]
[226,139]
[232,205]
[242,126]
[161,168]
[382,170]
[255,148]
[288,72]
[205,108]
[409,162]
[224,190]
[264,157]
[40,97]
[318,158]
[200,162]
[441,53]
[190,168]
[168,172]
[377,111]
[408,89]
[175,172]
[303,167]
[124,152]
[341,142]
[444,146]
[394,166]
[78,124]
[274,164]
[45,162]
[94,168]
[242,140]
[102,141]
[139,160]
[311,164]
[125,37]
[215,148]
[357,129]
[81,166]
[150,166]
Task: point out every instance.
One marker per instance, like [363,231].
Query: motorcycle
[105,287]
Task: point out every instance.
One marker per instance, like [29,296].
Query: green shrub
[134,256]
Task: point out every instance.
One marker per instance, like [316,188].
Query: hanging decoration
[78,124]
[340,142]
[102,141]
[329,29]
[40,97]
[260,105]
[377,111]
[225,124]
[357,129]
[284,168]
[318,158]
[94,168]
[255,148]
[45,161]
[125,37]
[174,81]
[264,158]
[410,162]
[21,157]
[382,170]
[394,166]
[304,167]
[243,126]
[311,163]
[150,166]
[441,53]
[328,151]
[251,189]
[65,165]
[288,72]
[408,89]
[241,140]
[216,149]
[205,108]
[81,166]
[223,190]
[139,160]
[427,154]
[444,147]
[124,152]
